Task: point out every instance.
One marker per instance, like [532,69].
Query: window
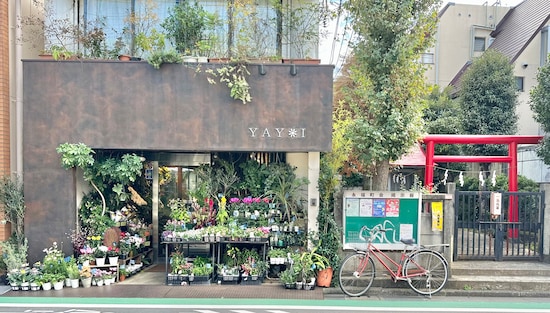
[479,44]
[519,83]
[427,58]
[544,45]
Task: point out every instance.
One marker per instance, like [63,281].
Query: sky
[330,49]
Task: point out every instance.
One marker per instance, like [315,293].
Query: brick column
[5,230]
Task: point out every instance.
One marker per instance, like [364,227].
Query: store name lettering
[256,132]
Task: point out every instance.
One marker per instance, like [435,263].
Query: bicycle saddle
[408,242]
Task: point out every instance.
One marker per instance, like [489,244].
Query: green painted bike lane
[468,303]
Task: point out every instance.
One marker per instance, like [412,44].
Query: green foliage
[75,155]
[283,185]
[443,116]
[488,100]
[91,215]
[524,184]
[328,240]
[159,57]
[14,253]
[254,176]
[540,105]
[216,179]
[178,210]
[13,206]
[234,77]
[109,175]
[140,28]
[288,276]
[188,26]
[386,87]
[72,271]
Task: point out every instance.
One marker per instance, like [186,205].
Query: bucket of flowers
[86,276]
[86,255]
[113,253]
[100,252]
[108,277]
[97,277]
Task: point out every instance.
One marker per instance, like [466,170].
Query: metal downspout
[18,69]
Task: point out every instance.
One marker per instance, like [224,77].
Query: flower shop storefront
[200,191]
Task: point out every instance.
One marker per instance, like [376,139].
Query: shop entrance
[176,178]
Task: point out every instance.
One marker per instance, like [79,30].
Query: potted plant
[191,29]
[48,280]
[73,274]
[288,278]
[285,188]
[57,281]
[12,208]
[113,254]
[35,279]
[100,254]
[123,273]
[86,276]
[159,57]
[51,33]
[97,277]
[108,277]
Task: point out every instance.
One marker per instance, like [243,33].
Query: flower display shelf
[177,280]
[200,280]
[252,280]
[113,268]
[228,279]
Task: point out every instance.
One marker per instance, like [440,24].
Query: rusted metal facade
[132,106]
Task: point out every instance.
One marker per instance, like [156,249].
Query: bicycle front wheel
[356,274]
[427,272]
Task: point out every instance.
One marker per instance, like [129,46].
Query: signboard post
[396,211]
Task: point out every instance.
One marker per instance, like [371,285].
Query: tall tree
[488,99]
[387,88]
[442,116]
[540,105]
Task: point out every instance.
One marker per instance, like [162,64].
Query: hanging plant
[234,77]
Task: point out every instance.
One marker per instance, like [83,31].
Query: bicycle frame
[424,269]
[382,258]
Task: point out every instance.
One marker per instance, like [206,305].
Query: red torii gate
[511,140]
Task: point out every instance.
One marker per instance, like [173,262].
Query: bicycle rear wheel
[427,271]
[356,274]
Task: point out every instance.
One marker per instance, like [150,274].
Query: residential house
[520,33]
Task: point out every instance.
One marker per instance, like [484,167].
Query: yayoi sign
[277,132]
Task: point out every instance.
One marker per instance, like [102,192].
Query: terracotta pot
[124,57]
[324,277]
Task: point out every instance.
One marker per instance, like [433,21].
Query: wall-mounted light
[524,65]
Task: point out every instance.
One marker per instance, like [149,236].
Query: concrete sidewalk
[470,279]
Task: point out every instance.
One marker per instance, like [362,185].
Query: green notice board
[396,211]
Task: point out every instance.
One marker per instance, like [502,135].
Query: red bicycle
[425,270]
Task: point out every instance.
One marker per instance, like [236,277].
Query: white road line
[206,311]
[276,311]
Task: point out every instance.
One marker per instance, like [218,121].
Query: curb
[379,291]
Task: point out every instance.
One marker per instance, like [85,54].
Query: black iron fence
[514,234]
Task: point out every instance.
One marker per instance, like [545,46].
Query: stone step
[516,283]
[492,268]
